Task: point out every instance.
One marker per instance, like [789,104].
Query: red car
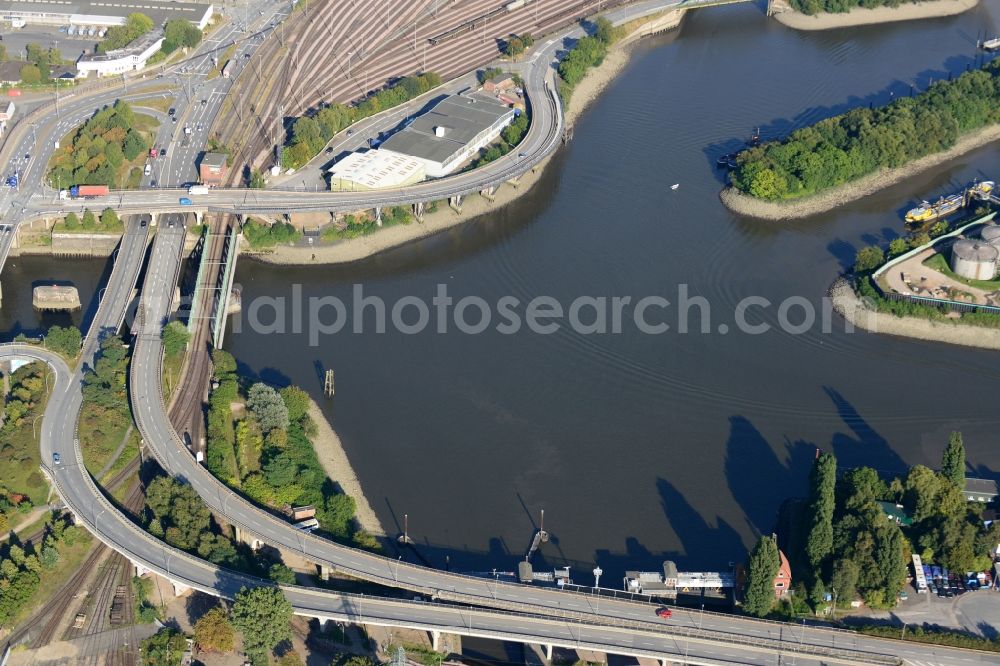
[665,613]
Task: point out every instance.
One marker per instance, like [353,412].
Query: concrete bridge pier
[445,642]
[153,216]
[248,539]
[456,203]
[140,570]
[324,622]
[488,193]
[418,211]
[180,589]
[378,216]
[324,571]
[198,215]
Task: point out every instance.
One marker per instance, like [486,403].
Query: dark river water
[641,447]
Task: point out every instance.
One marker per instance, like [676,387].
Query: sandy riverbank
[445,217]
[334,460]
[850,306]
[769,210]
[907,11]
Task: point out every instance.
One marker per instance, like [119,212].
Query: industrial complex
[19,13]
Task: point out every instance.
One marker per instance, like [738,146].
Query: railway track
[52,615]
[390,52]
[186,411]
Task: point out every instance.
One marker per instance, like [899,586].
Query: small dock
[540,537]
[55,298]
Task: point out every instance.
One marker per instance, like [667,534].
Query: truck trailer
[88,191]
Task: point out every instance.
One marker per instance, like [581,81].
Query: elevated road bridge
[254,524]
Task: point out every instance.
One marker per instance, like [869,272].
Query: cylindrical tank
[991,234]
[974,260]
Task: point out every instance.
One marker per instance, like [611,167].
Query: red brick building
[783,579]
[212,170]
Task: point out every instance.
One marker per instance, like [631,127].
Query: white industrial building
[450,133]
[375,169]
[129,59]
[98,13]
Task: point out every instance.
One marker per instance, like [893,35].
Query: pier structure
[55,298]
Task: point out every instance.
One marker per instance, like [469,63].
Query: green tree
[257,181]
[279,573]
[897,247]
[267,407]
[89,221]
[296,401]
[262,615]
[175,338]
[65,341]
[214,632]
[134,145]
[136,25]
[844,579]
[164,648]
[223,362]
[953,461]
[868,258]
[72,221]
[822,483]
[762,567]
[109,219]
[30,74]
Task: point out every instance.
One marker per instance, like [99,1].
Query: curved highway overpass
[256,523]
[651,639]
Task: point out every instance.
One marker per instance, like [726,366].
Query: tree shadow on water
[863,446]
[758,479]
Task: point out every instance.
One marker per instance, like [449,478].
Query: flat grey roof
[158,10]
[217,160]
[987,486]
[463,117]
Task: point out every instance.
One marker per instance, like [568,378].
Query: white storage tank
[974,260]
[991,234]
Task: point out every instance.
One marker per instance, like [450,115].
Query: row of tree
[23,566]
[863,140]
[310,133]
[586,53]
[107,222]
[510,136]
[849,546]
[262,615]
[39,63]
[98,151]
[839,6]
[262,235]
[119,36]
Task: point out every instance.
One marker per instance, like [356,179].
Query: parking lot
[973,610]
[70,48]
